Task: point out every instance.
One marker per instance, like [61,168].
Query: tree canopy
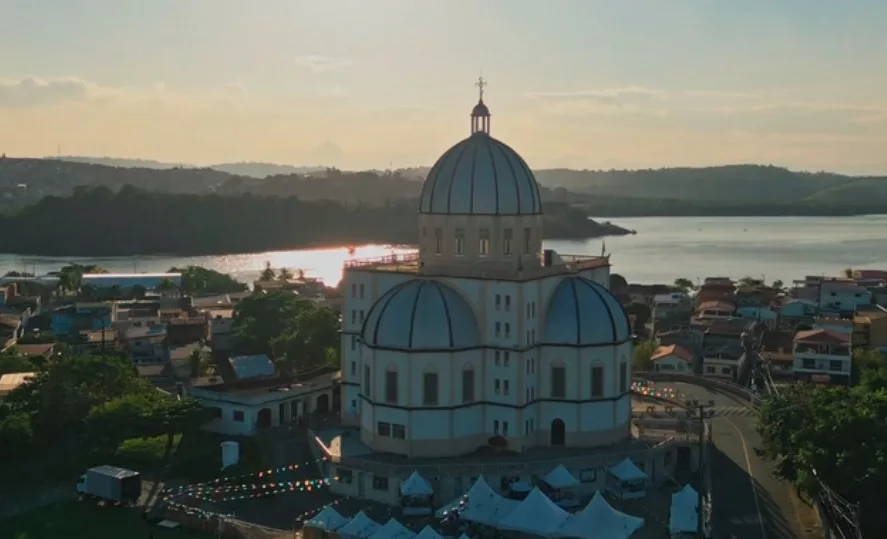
[836,431]
[198,281]
[88,400]
[297,332]
[643,356]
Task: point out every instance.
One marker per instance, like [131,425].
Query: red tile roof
[822,335]
[673,350]
[717,305]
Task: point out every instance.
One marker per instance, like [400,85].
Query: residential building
[870,329]
[716,289]
[245,407]
[777,350]
[145,344]
[671,311]
[842,296]
[715,309]
[687,338]
[797,311]
[823,356]
[35,350]
[673,358]
[68,321]
[126,281]
[723,362]
[760,313]
[182,331]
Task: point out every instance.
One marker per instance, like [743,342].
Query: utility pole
[703,411]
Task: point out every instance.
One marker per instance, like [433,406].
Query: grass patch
[198,457]
[76,520]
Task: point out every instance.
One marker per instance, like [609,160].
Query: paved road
[748,502]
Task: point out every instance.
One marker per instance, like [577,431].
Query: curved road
[748,503]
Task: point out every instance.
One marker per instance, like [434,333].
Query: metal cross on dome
[481,84]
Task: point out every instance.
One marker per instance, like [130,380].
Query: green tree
[838,433]
[778,285]
[201,364]
[310,341]
[115,291]
[642,360]
[138,292]
[870,368]
[268,273]
[642,315]
[684,285]
[617,282]
[166,285]
[17,435]
[284,274]
[749,281]
[197,280]
[11,362]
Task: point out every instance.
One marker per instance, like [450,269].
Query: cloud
[612,97]
[319,64]
[34,92]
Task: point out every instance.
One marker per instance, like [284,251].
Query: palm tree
[284,275]
[267,273]
[166,285]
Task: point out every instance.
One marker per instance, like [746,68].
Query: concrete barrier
[723,386]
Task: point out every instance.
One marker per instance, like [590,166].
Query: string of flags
[649,390]
[244,486]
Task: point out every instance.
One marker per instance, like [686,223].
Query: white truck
[111,483]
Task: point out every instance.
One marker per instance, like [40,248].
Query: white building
[823,356]
[481,334]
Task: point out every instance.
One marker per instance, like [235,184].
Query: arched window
[558,381]
[430,388]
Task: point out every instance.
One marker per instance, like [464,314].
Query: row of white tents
[363,527]
[538,515]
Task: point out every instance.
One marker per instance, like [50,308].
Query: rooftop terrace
[409,263]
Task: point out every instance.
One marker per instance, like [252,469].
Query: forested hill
[25,181]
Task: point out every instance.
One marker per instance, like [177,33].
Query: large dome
[480,176]
[583,313]
[421,315]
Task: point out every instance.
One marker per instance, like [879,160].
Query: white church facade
[482,334]
[480,338]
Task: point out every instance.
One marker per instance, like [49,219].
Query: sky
[389,83]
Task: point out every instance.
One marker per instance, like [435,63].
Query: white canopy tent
[599,520]
[361,526]
[684,515]
[560,478]
[416,485]
[627,481]
[480,491]
[428,533]
[536,515]
[327,520]
[393,530]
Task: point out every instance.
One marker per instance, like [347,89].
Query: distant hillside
[734,189]
[253,170]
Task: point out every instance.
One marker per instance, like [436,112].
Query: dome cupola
[480,176]
[421,315]
[583,313]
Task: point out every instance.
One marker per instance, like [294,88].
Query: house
[180,358]
[255,366]
[182,331]
[35,350]
[672,358]
[12,381]
[823,356]
[69,320]
[145,344]
[870,328]
[715,309]
[222,333]
[760,313]
[798,310]
[723,362]
[688,339]
[842,296]
[671,311]
[716,289]
[245,407]
[646,293]
[777,350]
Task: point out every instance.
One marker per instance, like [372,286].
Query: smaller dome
[583,313]
[421,315]
[480,110]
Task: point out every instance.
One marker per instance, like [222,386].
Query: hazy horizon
[580,84]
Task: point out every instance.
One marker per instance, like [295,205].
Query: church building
[482,337]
